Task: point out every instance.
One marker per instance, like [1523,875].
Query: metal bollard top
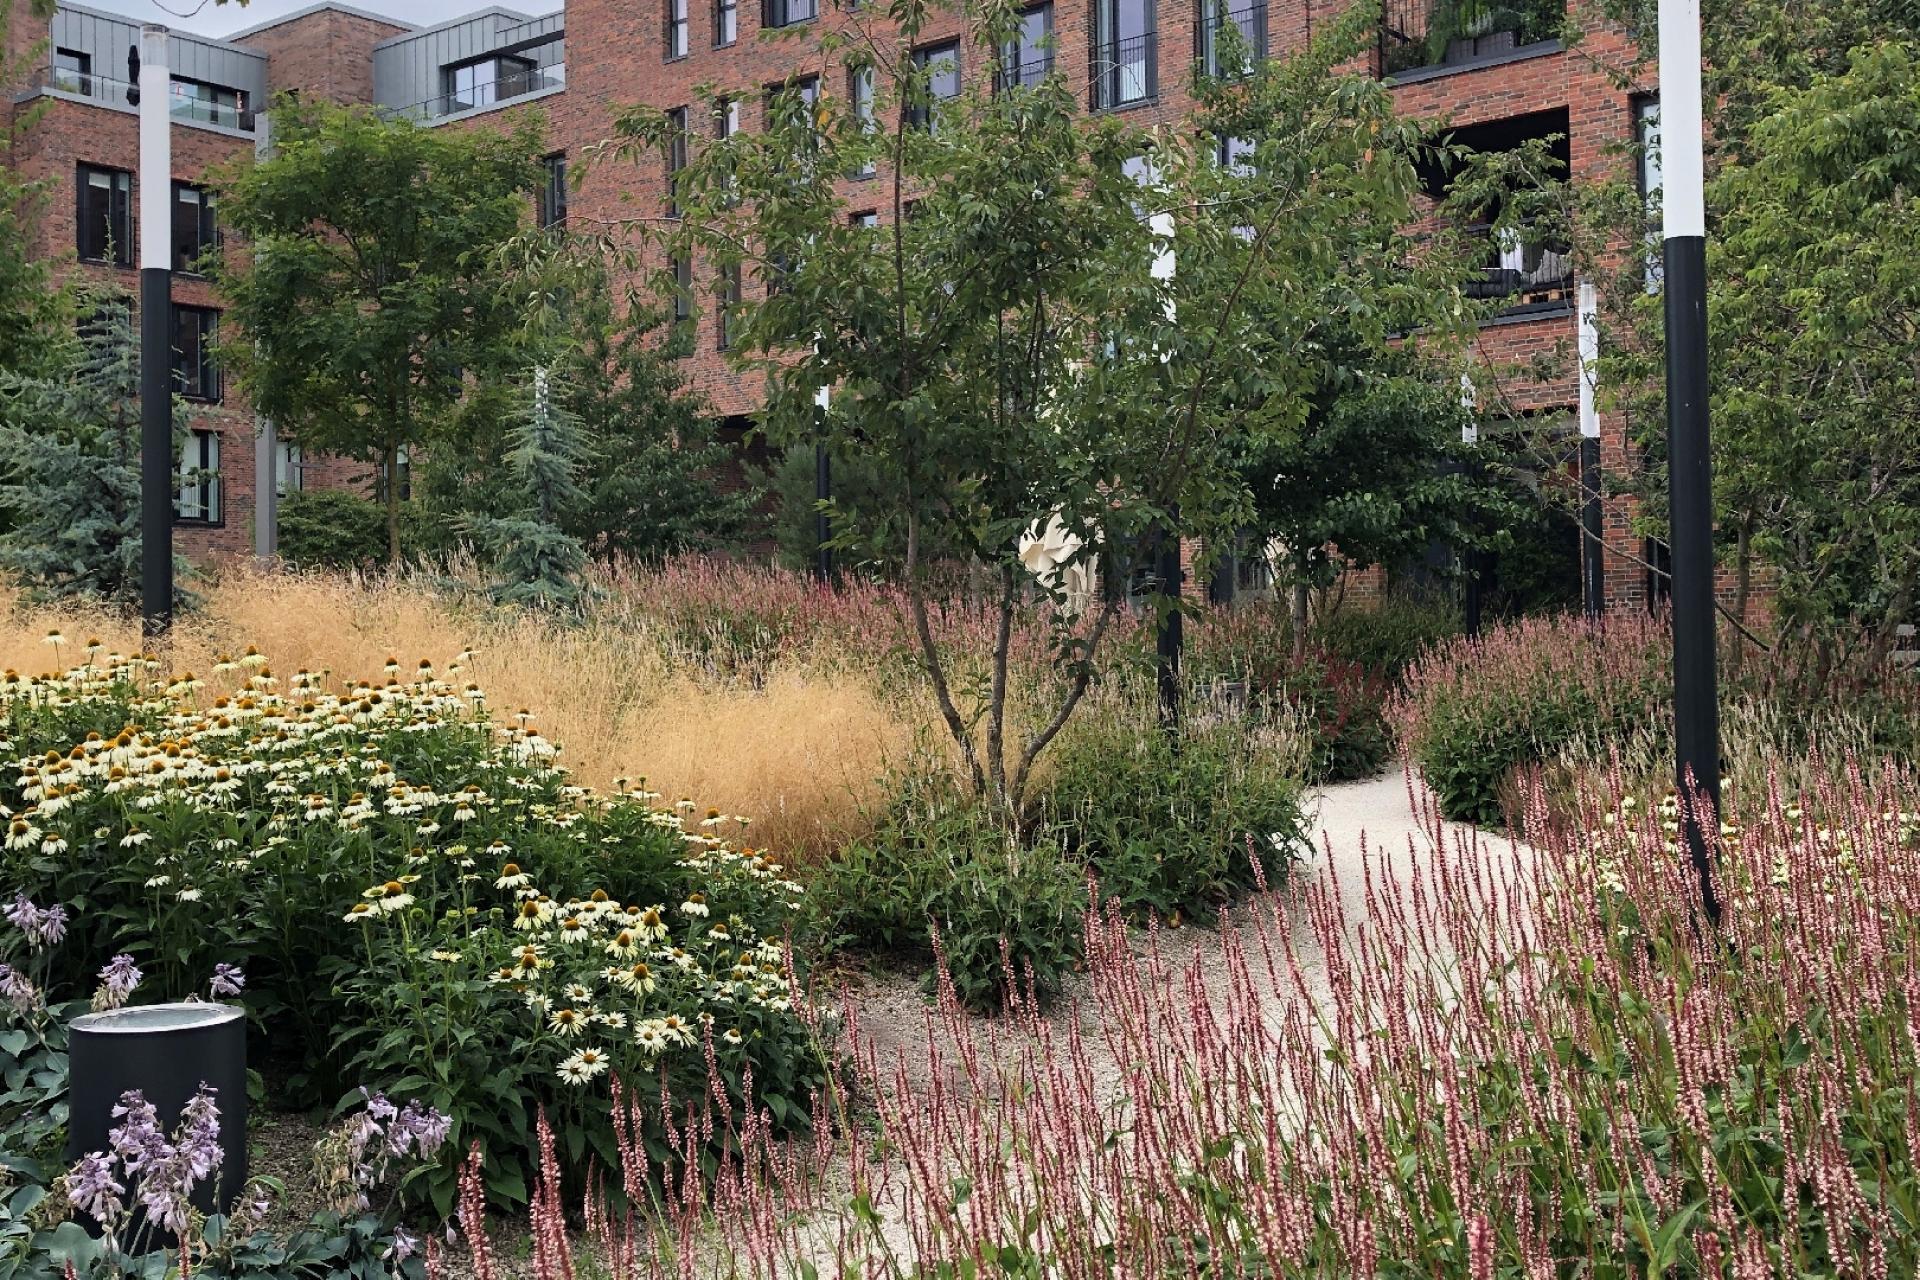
[154,1019]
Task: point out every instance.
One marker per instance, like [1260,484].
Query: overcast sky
[211,19]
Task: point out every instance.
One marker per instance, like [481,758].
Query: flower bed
[421,900]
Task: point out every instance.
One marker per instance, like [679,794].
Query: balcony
[1124,72]
[1012,73]
[1222,55]
[183,106]
[1527,273]
[1417,35]
[506,87]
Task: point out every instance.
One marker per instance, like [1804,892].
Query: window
[1646,132]
[1124,57]
[481,83]
[726,22]
[195,232]
[1247,20]
[73,71]
[1235,154]
[103,222]
[726,118]
[198,501]
[289,469]
[550,204]
[860,94]
[865,218]
[1027,57]
[676,37]
[194,374]
[676,157]
[941,62]
[805,93]
[786,13]
[682,298]
[208,103]
[729,303]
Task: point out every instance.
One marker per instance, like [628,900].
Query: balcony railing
[502,89]
[110,92]
[1250,21]
[1124,72]
[1014,74]
[1437,33]
[1525,272]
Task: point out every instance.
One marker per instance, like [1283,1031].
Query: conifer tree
[70,466]
[536,562]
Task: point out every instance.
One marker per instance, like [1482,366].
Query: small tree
[1007,343]
[366,303]
[70,467]
[537,561]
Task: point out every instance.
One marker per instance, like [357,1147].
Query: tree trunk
[393,504]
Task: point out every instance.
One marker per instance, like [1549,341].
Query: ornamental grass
[1515,1060]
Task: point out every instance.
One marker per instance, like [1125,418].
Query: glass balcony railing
[1415,34]
[184,104]
[503,88]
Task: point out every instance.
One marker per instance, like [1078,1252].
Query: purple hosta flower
[404,1246]
[118,977]
[228,981]
[93,1190]
[137,1139]
[169,1171]
[419,1129]
[42,926]
[17,990]
[198,1137]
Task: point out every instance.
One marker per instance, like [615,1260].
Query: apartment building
[1498,74]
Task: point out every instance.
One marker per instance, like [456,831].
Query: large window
[73,71]
[676,157]
[469,85]
[1027,57]
[860,93]
[1240,25]
[1125,61]
[941,62]
[550,207]
[676,34]
[198,501]
[785,13]
[289,469]
[726,22]
[683,299]
[195,375]
[195,231]
[1646,132]
[103,221]
[209,103]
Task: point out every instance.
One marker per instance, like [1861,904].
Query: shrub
[1174,826]
[339,529]
[1474,711]
[350,849]
[1384,638]
[942,879]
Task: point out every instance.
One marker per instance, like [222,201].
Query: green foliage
[1171,827]
[70,467]
[349,850]
[1004,910]
[337,529]
[1386,636]
[861,489]
[369,299]
[536,561]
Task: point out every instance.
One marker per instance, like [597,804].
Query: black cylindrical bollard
[166,1051]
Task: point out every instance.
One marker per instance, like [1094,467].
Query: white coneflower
[512,877]
[676,1029]
[574,929]
[652,924]
[159,882]
[55,638]
[444,957]
[732,1036]
[695,905]
[22,834]
[53,844]
[623,945]
[360,911]
[567,1022]
[578,994]
[650,1039]
[637,976]
[583,1066]
[188,894]
[528,915]
[614,1021]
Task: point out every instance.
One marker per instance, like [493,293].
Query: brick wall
[328,54]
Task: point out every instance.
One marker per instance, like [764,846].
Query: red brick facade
[616,54]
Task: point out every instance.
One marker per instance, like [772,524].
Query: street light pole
[1592,549]
[1696,709]
[157,477]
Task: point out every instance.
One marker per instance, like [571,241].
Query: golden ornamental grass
[803,751]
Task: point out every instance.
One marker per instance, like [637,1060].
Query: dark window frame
[861,96]
[678,121]
[116,242]
[726,23]
[1108,84]
[788,13]
[207,511]
[677,29]
[81,71]
[204,385]
[550,202]
[206,226]
[1013,68]
[928,116]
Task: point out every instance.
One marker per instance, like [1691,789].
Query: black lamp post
[1696,708]
[147,67]
[822,492]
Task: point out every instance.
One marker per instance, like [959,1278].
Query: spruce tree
[534,560]
[70,466]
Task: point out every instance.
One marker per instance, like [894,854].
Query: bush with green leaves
[942,879]
[337,529]
[422,901]
[1175,824]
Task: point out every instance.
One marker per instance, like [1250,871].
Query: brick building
[1496,83]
